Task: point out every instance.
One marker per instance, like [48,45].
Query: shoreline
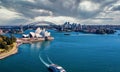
[14,50]
[20,41]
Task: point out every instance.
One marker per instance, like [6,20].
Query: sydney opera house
[38,35]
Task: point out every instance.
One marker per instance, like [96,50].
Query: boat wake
[48,63]
[49,60]
[52,67]
[45,63]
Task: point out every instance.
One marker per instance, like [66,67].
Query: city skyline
[16,12]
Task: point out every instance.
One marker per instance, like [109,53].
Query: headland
[37,36]
[7,53]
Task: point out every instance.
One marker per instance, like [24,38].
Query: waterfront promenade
[30,40]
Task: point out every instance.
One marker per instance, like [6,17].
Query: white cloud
[7,14]
[56,20]
[31,1]
[43,11]
[69,4]
[59,11]
[8,17]
[88,6]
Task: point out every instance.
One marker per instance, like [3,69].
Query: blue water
[76,53]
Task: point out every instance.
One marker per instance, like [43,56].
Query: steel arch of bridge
[41,22]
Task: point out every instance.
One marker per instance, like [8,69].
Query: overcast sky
[15,12]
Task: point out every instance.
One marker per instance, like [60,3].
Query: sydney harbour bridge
[43,24]
[34,25]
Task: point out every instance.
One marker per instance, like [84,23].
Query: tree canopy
[5,41]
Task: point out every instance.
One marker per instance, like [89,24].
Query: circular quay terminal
[59,35]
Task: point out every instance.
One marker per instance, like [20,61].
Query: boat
[51,66]
[56,68]
[66,34]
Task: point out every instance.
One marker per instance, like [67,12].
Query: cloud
[56,19]
[88,9]
[7,14]
[10,17]
[116,8]
[88,6]
[43,12]
[103,18]
[30,1]
[60,10]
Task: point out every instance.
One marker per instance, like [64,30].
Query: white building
[38,33]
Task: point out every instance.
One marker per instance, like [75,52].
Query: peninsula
[8,46]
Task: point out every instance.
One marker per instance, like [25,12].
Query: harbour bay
[59,36]
[76,52]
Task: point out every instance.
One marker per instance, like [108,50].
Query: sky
[17,12]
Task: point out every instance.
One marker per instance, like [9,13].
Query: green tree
[9,41]
[13,38]
[1,39]
[3,46]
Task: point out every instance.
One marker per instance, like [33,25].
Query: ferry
[56,68]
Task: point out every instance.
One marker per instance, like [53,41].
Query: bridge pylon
[21,29]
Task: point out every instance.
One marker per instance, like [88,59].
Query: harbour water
[76,52]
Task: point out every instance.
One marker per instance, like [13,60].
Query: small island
[8,46]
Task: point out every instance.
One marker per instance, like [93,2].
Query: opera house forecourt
[38,35]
